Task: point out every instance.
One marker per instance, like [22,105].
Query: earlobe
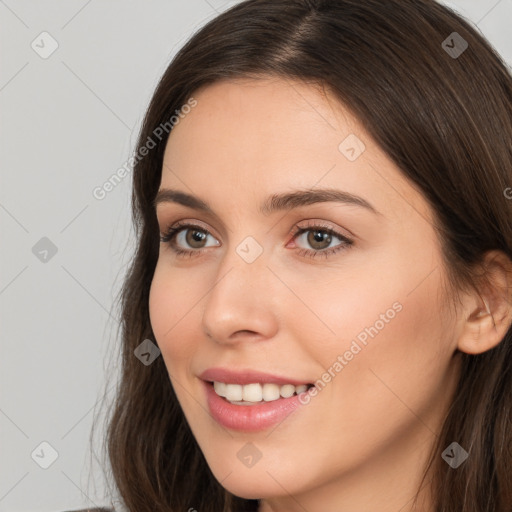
[487,323]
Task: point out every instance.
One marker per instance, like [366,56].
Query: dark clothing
[92,510]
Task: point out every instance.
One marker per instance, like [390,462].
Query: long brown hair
[443,113]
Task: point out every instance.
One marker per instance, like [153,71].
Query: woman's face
[364,319]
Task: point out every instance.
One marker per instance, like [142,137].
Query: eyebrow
[276,202]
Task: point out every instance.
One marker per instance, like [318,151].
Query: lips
[247,416]
[248,376]
[253,418]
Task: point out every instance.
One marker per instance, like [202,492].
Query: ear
[488,311]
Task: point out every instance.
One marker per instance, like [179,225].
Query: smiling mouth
[255,393]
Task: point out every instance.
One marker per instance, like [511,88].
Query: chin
[252,483]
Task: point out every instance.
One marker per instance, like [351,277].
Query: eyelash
[172,232]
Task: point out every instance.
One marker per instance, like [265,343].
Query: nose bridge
[241,298]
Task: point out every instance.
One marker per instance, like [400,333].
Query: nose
[242,303]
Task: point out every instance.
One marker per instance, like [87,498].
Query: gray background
[68,122]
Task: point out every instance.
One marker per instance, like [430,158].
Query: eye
[186,234]
[322,239]
[319,237]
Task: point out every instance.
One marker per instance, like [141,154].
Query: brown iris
[195,236]
[316,237]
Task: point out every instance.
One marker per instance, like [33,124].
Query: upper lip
[246,377]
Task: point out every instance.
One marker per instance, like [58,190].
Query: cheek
[338,304]
[390,306]
[397,354]
[379,334]
[173,301]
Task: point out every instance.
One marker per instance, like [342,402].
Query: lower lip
[249,418]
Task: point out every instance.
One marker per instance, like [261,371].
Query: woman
[318,313]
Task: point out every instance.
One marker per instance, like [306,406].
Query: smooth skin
[362,442]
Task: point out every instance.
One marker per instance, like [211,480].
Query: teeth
[220,388]
[250,393]
[270,392]
[287,390]
[301,388]
[233,392]
[254,393]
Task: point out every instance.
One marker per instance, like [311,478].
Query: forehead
[263,116]
[258,137]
